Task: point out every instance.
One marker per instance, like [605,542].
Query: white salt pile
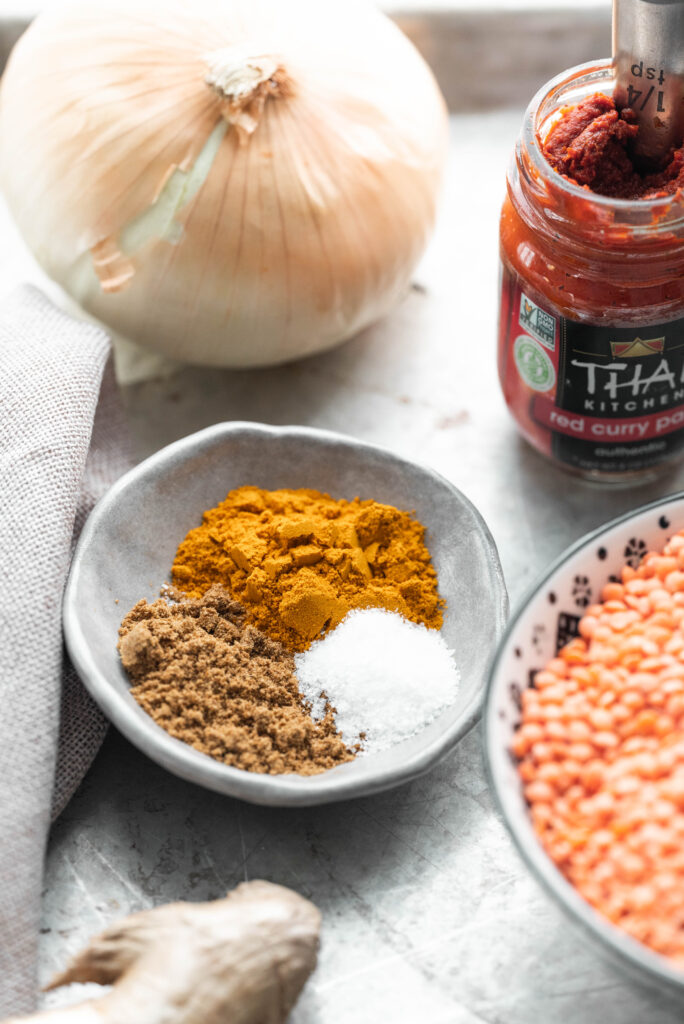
[387,677]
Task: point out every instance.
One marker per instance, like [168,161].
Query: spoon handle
[648,53]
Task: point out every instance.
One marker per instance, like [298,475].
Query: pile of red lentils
[601,752]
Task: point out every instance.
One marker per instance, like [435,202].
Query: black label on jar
[626,386]
[606,399]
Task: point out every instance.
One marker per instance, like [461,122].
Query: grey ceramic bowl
[546,619]
[128,544]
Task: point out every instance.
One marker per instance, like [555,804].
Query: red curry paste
[591,324]
[590,144]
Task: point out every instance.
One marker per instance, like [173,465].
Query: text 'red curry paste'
[591,326]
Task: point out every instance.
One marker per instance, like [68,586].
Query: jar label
[602,399]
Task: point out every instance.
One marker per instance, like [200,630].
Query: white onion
[230,182]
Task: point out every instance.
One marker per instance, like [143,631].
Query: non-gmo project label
[537,322]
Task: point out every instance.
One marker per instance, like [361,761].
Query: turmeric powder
[299,560]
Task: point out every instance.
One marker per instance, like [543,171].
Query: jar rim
[531,140]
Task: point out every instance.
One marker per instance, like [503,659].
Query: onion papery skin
[301,233]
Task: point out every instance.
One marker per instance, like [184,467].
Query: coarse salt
[386,677]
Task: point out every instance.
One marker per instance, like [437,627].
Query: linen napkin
[62,443]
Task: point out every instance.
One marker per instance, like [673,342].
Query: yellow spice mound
[300,560]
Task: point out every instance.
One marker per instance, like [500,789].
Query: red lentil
[601,753]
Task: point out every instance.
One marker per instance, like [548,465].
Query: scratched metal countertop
[428,912]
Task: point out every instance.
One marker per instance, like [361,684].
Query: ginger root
[240,960]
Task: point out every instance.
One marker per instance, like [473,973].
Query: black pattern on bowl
[535,634]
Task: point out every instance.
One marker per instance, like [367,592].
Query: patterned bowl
[547,618]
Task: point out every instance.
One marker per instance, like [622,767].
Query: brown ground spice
[223,687]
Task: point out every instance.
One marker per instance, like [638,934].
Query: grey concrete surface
[429,914]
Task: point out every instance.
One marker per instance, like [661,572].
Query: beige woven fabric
[57,455]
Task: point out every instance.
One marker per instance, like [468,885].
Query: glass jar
[591,324]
